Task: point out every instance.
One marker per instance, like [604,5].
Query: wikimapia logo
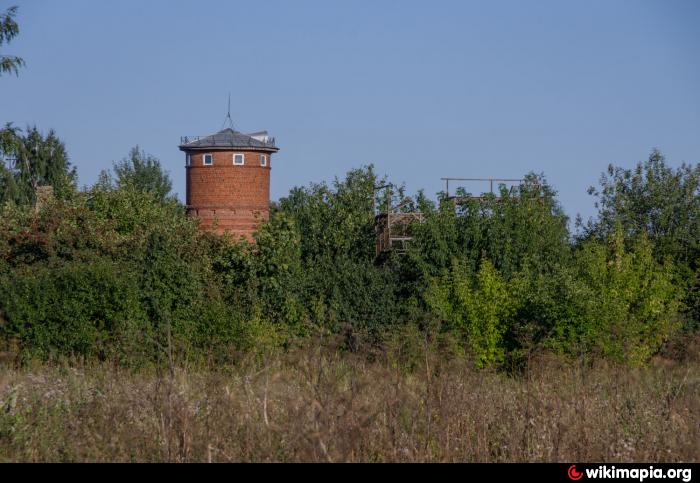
[574,474]
[639,474]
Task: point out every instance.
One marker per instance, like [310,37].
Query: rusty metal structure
[393,225]
[393,230]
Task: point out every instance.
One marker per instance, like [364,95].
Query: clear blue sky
[420,89]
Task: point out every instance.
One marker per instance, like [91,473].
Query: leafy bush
[633,304]
[74,307]
[481,307]
[111,274]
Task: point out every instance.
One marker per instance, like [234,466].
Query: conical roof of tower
[227,139]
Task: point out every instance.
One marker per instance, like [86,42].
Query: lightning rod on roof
[228,119]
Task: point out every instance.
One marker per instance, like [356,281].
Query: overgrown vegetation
[322,405]
[118,272]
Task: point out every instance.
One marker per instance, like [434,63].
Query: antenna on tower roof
[228,119]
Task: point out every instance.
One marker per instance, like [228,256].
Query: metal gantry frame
[499,181]
[393,229]
[393,226]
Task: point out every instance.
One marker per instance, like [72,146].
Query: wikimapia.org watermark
[641,474]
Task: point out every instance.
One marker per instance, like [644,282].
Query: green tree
[31,160]
[661,203]
[139,171]
[478,306]
[9,30]
[525,226]
[339,284]
[653,199]
[337,219]
[112,273]
[630,304]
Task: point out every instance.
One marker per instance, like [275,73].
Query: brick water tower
[228,180]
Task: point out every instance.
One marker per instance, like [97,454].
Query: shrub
[481,307]
[86,308]
[633,305]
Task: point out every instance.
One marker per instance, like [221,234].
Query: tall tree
[653,199]
[32,160]
[336,220]
[9,30]
[142,172]
[661,203]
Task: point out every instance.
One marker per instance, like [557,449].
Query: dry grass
[322,406]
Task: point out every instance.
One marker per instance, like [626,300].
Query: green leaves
[118,271]
[480,306]
[524,226]
[107,274]
[661,203]
[653,199]
[72,307]
[36,160]
[632,305]
[337,220]
[139,172]
[9,30]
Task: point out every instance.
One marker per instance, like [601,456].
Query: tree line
[118,271]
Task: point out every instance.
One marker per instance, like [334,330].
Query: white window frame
[204,159]
[263,160]
[242,155]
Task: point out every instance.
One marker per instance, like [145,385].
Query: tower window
[208,159]
[239,158]
[188,160]
[263,160]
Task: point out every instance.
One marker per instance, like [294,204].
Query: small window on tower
[238,158]
[263,160]
[188,160]
[208,160]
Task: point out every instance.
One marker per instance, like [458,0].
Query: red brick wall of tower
[227,197]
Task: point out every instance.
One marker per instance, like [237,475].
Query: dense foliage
[140,171]
[119,272]
[663,204]
[30,160]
